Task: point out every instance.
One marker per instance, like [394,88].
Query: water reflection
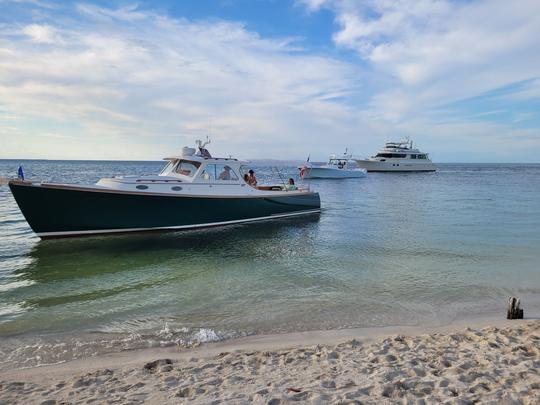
[72,266]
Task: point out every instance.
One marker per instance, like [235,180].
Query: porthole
[176,188]
[141,187]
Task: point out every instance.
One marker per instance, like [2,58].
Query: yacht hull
[55,211]
[396,166]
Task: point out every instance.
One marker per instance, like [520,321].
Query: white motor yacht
[398,157]
[342,167]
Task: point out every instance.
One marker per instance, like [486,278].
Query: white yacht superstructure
[398,157]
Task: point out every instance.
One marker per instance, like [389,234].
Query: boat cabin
[203,168]
[195,169]
[196,173]
[340,163]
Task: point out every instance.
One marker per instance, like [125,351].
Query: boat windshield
[181,166]
[218,172]
[186,167]
[168,167]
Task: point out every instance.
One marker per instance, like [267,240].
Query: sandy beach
[455,365]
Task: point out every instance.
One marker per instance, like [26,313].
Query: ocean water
[388,249]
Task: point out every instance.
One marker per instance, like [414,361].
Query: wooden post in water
[513,310]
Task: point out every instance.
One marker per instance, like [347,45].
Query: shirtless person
[252,180]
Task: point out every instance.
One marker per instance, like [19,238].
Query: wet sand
[487,362]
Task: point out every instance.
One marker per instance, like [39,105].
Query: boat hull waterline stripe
[194,226]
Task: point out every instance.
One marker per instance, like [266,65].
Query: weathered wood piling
[513,310]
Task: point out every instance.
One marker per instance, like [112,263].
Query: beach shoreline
[340,365]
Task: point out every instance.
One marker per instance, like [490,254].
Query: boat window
[391,155]
[413,156]
[141,187]
[187,168]
[176,188]
[168,167]
[422,156]
[218,173]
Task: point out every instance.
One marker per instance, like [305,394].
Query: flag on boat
[20,173]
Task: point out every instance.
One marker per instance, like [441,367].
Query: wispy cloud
[440,51]
[41,34]
[164,76]
[131,82]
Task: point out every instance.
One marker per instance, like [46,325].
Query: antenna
[200,143]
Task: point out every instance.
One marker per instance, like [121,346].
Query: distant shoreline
[254,161]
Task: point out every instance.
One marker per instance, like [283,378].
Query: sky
[270,78]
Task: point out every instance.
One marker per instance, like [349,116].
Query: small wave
[39,351]
[10,310]
[206,336]
[15,284]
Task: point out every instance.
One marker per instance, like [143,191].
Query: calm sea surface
[389,249]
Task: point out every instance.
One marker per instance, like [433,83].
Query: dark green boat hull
[62,211]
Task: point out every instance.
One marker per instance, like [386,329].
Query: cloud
[126,13]
[430,55]
[42,34]
[312,5]
[134,83]
[140,76]
[440,51]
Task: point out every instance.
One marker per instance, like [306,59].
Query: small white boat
[398,157]
[343,167]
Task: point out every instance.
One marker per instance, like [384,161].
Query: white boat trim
[163,228]
[100,189]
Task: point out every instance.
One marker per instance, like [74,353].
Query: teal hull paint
[57,210]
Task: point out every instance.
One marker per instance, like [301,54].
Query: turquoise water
[388,249]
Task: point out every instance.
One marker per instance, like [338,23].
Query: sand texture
[489,365]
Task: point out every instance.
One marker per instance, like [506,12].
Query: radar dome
[187,151]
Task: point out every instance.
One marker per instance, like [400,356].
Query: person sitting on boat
[290,185]
[252,179]
[246,178]
[225,174]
